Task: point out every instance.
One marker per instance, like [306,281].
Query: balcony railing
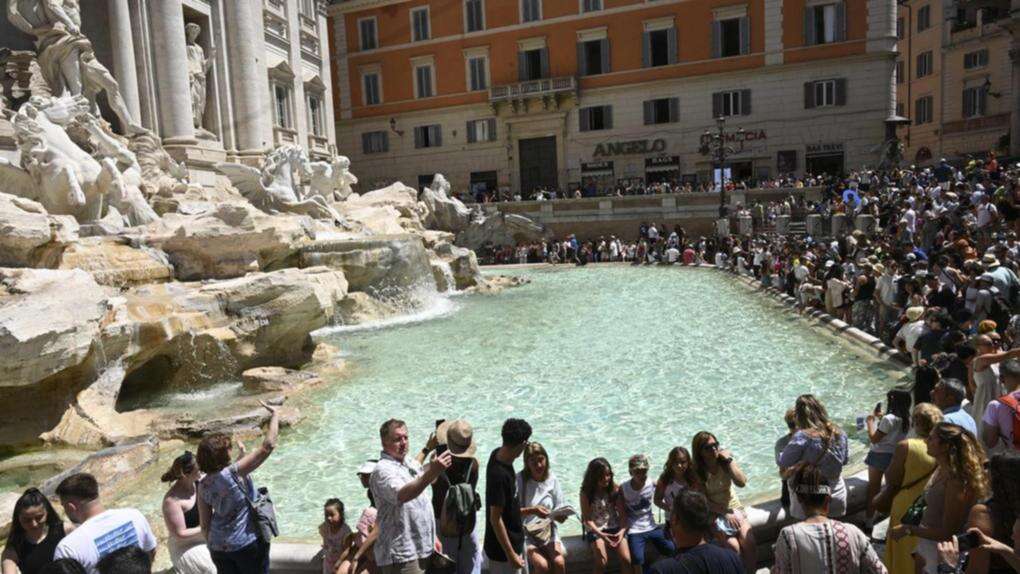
[532,89]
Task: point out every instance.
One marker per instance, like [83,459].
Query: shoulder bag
[263,513]
[884,499]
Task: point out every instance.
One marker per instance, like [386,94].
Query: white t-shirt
[892,426]
[639,507]
[104,533]
[672,255]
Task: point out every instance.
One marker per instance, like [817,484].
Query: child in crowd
[601,505]
[677,475]
[337,540]
[885,432]
[639,522]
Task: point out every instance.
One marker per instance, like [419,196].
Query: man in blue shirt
[690,523]
[948,395]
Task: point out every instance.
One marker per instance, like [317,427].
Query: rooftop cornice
[346,6]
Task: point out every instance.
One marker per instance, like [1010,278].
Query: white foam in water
[215,392]
[432,307]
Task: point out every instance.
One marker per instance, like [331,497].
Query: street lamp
[716,144]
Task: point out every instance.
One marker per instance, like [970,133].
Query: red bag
[1011,401]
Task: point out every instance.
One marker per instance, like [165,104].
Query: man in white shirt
[99,531]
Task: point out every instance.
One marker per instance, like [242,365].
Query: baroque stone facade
[216,80]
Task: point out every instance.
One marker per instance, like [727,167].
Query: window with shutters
[825,93]
[367,37]
[923,110]
[531,10]
[924,64]
[533,64]
[478,73]
[591,5]
[481,130]
[975,102]
[424,86]
[824,24]
[427,136]
[420,24]
[594,56]
[662,111]
[731,103]
[975,59]
[661,45]
[899,28]
[474,15]
[899,71]
[923,18]
[375,142]
[595,118]
[371,88]
[730,37]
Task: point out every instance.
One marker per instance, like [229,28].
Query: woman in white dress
[985,373]
[188,552]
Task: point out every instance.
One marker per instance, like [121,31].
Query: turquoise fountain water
[608,361]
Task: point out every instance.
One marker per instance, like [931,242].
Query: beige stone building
[261,69]
[955,78]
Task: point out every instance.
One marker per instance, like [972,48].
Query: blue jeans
[657,537]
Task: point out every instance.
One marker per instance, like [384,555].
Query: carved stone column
[172,85]
[123,42]
[249,79]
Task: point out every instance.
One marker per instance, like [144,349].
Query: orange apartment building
[955,78]
[521,94]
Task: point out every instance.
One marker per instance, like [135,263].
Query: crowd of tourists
[936,277]
[624,188]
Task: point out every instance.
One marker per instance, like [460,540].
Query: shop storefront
[664,168]
[597,176]
[824,158]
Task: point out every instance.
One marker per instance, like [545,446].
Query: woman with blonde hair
[905,478]
[541,494]
[717,474]
[819,442]
[958,482]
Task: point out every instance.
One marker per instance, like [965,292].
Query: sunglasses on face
[710,446]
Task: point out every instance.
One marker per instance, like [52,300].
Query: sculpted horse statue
[273,187]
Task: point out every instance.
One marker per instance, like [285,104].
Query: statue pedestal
[200,156]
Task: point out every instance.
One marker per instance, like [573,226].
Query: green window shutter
[809,95]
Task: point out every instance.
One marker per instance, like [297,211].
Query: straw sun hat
[458,436]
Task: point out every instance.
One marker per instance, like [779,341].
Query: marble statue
[440,185]
[331,180]
[66,59]
[273,187]
[66,179]
[198,74]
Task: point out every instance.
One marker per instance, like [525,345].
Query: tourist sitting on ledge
[718,474]
[601,504]
[690,524]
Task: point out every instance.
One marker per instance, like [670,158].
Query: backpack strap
[1012,402]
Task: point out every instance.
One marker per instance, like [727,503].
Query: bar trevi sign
[823,148]
[632,147]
